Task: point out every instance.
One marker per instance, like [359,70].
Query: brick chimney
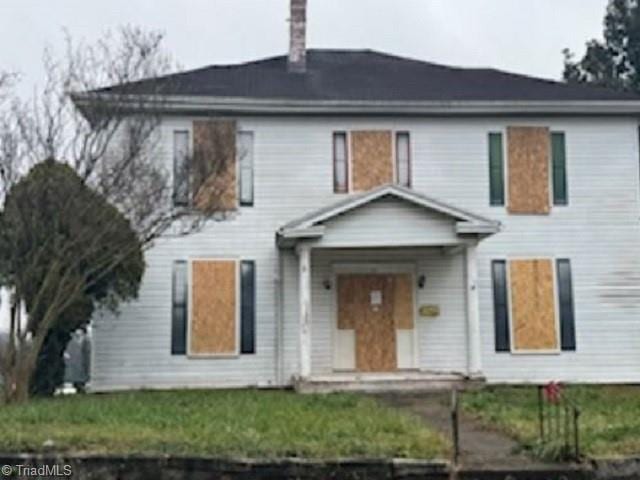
[297,37]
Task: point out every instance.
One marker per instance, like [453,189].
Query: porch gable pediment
[388,215]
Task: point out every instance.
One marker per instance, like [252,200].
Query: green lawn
[230,423]
[609,424]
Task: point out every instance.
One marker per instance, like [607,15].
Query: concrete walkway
[480,446]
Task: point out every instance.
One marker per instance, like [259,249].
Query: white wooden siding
[404,224]
[599,231]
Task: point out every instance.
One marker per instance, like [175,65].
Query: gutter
[195,104]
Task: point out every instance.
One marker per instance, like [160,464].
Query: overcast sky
[524,36]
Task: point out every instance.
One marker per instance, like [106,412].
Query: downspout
[279,320]
[638,163]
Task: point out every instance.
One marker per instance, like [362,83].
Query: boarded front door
[374,306]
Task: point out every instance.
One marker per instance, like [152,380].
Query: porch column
[304,286]
[474,361]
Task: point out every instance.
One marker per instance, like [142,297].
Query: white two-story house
[392,223]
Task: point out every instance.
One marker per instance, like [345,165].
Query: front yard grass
[609,423]
[229,423]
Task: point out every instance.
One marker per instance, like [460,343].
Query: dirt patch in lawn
[481,447]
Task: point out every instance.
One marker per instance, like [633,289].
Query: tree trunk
[50,367]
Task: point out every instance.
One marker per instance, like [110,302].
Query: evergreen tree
[615,61]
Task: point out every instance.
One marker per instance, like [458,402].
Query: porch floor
[405,381]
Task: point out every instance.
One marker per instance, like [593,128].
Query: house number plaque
[429,310]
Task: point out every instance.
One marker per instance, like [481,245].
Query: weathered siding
[599,231]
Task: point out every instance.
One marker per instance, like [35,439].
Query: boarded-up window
[214,312]
[213,167]
[403,159]
[533,305]
[528,156]
[496,169]
[559,169]
[371,159]
[340,163]
[403,304]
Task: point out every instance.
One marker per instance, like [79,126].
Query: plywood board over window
[365,304]
[213,327]
[533,305]
[375,306]
[375,332]
[371,159]
[528,170]
[214,165]
[348,301]
[403,301]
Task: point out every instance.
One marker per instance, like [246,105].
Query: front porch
[387,294]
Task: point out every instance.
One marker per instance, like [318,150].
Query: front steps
[385,382]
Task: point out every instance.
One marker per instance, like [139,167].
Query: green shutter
[559,165]
[496,169]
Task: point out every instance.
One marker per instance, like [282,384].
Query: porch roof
[313,225]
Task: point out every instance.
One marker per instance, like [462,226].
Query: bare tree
[109,136]
[9,138]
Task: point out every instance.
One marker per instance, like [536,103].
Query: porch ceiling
[321,225]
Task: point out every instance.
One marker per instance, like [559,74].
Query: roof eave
[245,105]
[463,228]
[350,203]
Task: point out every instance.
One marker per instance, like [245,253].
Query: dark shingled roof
[366,75]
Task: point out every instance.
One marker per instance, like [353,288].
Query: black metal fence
[559,422]
[558,418]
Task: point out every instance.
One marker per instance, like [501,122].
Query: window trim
[549,351]
[505,167]
[512,348]
[189,142]
[398,133]
[239,163]
[347,167]
[236,353]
